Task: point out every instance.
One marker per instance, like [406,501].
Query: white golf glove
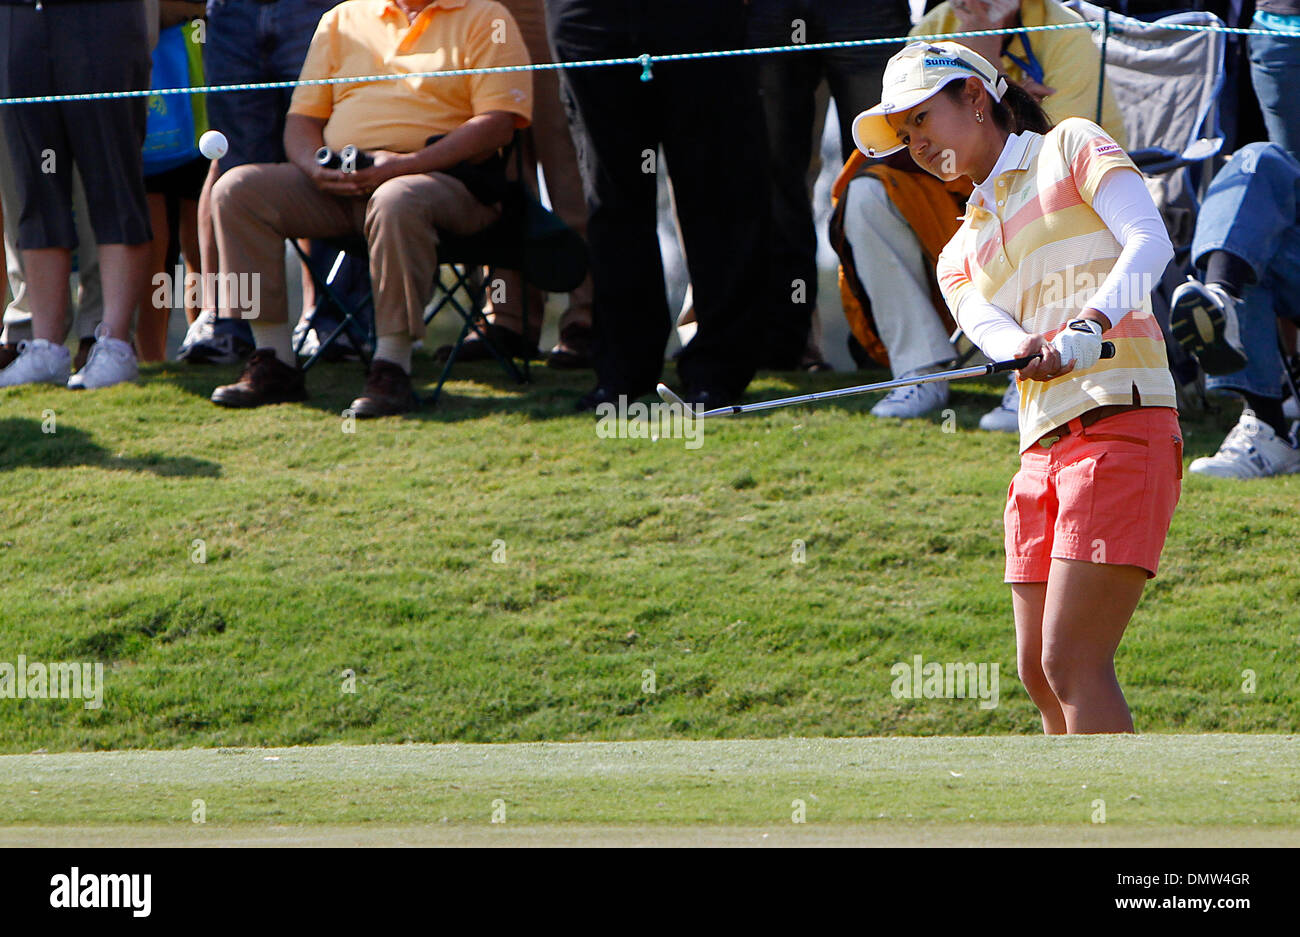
[1081,341]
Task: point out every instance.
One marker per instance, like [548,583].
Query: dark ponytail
[1017,112]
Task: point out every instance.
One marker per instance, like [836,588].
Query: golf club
[1015,364]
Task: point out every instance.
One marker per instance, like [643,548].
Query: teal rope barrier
[646,61]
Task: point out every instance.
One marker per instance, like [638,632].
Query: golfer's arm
[474,140]
[991,328]
[1124,204]
[303,136]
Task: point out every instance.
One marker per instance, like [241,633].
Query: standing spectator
[249,41]
[77,47]
[707,116]
[1275,71]
[789,82]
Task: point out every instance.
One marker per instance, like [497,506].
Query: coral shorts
[1103,493]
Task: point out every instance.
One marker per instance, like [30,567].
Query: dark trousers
[706,115]
[789,83]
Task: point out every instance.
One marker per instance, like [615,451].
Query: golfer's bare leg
[1087,609]
[1028,599]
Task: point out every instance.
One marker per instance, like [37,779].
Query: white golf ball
[213,144]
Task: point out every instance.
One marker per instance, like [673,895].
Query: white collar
[1012,157]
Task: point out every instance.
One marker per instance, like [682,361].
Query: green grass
[373,551]
[1212,788]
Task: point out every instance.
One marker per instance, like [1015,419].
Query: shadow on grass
[25,445]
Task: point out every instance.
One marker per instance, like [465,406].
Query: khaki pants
[256,207]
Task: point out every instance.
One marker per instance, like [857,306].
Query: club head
[667,396]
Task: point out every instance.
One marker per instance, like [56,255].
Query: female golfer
[1059,249]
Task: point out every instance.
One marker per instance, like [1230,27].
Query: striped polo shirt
[1040,253]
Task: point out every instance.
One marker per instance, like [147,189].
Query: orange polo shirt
[373,37]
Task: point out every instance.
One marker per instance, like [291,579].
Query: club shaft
[982,370]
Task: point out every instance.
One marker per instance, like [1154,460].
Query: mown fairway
[1149,790]
[492,570]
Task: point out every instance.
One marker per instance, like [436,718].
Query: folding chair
[527,238]
[359,332]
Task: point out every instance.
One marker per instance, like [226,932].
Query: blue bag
[176,121]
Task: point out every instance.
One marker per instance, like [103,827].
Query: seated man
[400,204]
[1247,244]
[892,219]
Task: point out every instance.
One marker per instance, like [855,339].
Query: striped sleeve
[1090,154]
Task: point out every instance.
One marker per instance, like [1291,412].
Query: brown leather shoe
[266,379]
[388,391]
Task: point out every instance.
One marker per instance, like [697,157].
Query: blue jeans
[1275,70]
[252,42]
[1252,210]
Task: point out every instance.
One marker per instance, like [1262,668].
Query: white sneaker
[111,361]
[38,362]
[1251,450]
[1203,318]
[906,403]
[1005,417]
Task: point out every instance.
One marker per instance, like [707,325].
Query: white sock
[276,337]
[395,348]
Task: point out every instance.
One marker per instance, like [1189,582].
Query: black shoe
[710,398]
[509,343]
[604,394]
[266,379]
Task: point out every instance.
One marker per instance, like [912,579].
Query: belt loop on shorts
[1076,426]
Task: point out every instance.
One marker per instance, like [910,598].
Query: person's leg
[151,320]
[1088,606]
[87,308]
[207,237]
[1028,600]
[48,271]
[254,208]
[615,118]
[402,221]
[725,216]
[1275,73]
[891,265]
[787,83]
[1249,205]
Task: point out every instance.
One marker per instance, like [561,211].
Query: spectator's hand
[335,181]
[387,165]
[1048,367]
[1040,91]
